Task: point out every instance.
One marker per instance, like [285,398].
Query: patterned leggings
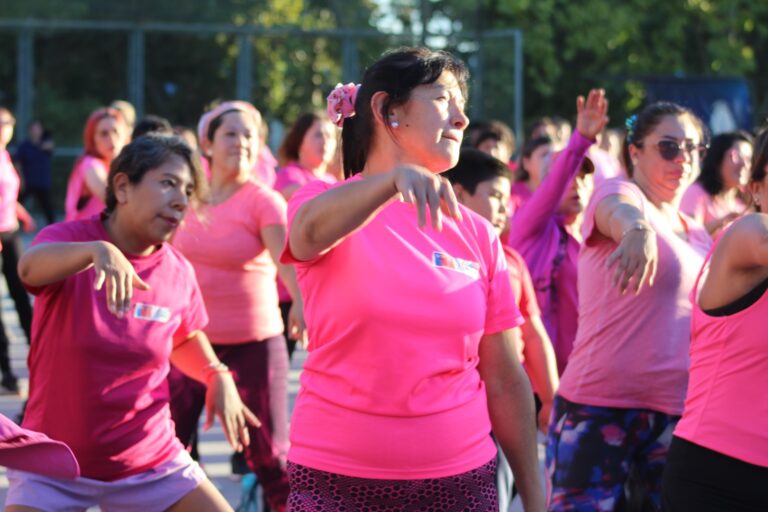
[592,451]
[313,490]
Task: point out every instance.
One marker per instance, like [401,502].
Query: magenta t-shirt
[632,351]
[98,382]
[726,408]
[9,193]
[395,316]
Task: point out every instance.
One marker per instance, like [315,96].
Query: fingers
[99,282]
[251,418]
[433,200]
[579,104]
[112,293]
[450,205]
[208,416]
[421,205]
[139,282]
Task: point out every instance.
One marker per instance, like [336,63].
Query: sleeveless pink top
[726,409]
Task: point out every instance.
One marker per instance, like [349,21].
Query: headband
[226,106]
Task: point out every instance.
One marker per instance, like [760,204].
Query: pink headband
[208,117]
[341,102]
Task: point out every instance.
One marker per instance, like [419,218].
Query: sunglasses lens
[668,149]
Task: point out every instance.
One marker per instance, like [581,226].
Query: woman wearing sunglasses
[718,459]
[623,389]
[715,199]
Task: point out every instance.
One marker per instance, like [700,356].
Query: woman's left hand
[297,329]
[222,400]
[592,113]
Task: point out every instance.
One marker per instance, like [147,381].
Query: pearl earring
[394,124]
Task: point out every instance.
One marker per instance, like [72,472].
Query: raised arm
[323,222]
[48,263]
[592,117]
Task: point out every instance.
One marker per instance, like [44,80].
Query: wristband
[637,226]
[213,368]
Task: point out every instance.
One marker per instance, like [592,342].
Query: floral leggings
[592,451]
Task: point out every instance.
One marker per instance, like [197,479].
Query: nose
[460,119]
[180,200]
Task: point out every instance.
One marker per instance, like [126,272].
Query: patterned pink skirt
[313,490]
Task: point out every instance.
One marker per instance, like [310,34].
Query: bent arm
[540,358]
[617,214]
[96,181]
[511,408]
[48,263]
[274,239]
[193,355]
[322,222]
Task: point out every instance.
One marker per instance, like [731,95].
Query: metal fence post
[519,86]
[25,79]
[350,59]
[136,71]
[244,68]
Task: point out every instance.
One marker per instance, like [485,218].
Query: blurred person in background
[128,112]
[151,124]
[33,156]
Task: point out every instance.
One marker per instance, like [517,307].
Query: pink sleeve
[501,312]
[195,316]
[529,306]
[60,232]
[612,187]
[288,176]
[531,217]
[270,210]
[310,191]
[694,202]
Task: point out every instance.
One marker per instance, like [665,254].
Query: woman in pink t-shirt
[114,305]
[409,309]
[534,158]
[716,197]
[11,212]
[622,391]
[234,244]
[103,137]
[305,154]
[719,454]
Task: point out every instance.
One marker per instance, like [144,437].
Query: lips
[453,138]
[172,221]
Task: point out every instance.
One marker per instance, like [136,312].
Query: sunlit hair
[149,152]
[397,73]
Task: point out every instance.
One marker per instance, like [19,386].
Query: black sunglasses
[670,149]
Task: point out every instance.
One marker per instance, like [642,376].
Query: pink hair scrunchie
[341,102]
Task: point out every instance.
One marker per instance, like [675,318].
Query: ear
[378,100]
[633,152]
[460,192]
[121,186]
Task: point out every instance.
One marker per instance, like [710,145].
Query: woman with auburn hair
[103,137]
[402,386]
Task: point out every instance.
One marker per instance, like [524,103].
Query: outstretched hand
[222,400]
[423,189]
[592,113]
[114,269]
[636,259]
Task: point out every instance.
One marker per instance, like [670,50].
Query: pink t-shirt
[295,175]
[704,208]
[98,382]
[234,268]
[522,288]
[519,195]
[632,351]
[395,316]
[9,193]
[726,409]
[79,203]
[264,170]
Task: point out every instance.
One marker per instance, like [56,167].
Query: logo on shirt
[151,313]
[470,268]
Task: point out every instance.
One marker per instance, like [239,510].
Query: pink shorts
[156,489]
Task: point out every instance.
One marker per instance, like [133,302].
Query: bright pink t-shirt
[726,408]
[9,193]
[234,268]
[518,196]
[632,351]
[77,189]
[98,382]
[705,208]
[522,288]
[395,316]
[295,175]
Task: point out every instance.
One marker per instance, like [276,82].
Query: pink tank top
[726,409]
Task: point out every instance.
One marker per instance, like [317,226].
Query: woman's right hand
[114,269]
[422,188]
[636,258]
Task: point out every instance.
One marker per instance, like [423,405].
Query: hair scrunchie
[630,125]
[341,102]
